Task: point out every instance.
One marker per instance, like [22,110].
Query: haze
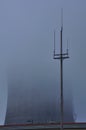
[26,48]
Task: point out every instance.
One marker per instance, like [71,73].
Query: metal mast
[61,57]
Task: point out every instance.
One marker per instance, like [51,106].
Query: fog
[31,75]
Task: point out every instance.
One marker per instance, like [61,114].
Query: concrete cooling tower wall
[36,101]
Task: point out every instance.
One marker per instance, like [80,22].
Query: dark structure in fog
[28,102]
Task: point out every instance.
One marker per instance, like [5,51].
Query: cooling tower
[36,101]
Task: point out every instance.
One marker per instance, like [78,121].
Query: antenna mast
[61,57]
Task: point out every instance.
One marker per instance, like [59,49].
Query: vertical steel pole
[61,79]
[61,57]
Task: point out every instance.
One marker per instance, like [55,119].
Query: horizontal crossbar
[63,54]
[61,57]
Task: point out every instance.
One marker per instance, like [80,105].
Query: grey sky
[26,43]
